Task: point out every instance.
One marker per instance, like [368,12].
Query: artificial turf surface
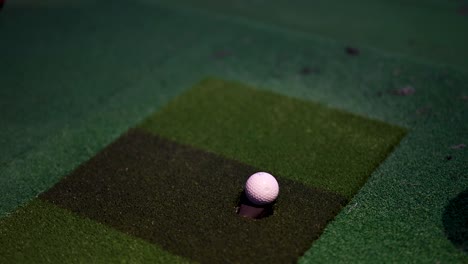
[184,200]
[416,27]
[147,58]
[300,140]
[43,233]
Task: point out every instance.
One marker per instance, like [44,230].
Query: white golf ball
[261,188]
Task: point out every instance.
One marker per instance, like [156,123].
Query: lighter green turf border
[40,232]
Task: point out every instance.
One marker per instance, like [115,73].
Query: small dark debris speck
[308,70]
[448,157]
[352,51]
[463,10]
[423,110]
[221,54]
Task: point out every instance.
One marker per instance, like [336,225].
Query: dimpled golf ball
[261,188]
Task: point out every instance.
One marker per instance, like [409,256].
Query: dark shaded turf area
[455,219]
[184,199]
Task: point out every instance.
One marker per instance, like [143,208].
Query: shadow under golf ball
[246,208]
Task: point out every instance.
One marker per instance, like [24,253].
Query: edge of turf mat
[40,232]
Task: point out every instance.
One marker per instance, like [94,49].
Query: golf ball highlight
[261,188]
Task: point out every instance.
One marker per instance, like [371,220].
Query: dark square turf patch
[184,200]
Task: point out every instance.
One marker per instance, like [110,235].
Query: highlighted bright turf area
[299,140]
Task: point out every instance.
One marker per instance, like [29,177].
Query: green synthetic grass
[40,232]
[184,200]
[68,106]
[300,140]
[432,30]
[153,53]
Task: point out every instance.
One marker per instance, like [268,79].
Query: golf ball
[261,188]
